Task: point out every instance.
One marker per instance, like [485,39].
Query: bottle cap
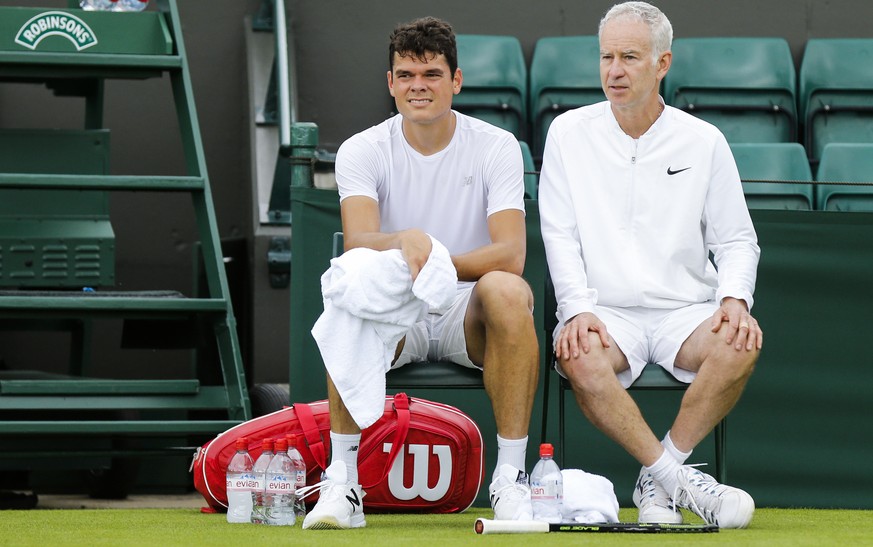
[242,443]
[267,445]
[281,444]
[546,449]
[292,440]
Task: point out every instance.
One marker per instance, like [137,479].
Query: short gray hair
[659,26]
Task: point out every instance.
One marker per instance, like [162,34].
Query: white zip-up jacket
[631,222]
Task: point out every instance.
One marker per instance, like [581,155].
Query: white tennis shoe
[510,495]
[653,501]
[340,503]
[719,504]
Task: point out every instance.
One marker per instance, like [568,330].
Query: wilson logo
[56,23]
[421,454]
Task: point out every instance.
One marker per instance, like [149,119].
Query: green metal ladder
[194,409]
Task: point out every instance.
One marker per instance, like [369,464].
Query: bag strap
[401,409]
[311,433]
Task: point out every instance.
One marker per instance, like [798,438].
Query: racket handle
[488,526]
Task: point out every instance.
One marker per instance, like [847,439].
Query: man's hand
[740,328]
[415,246]
[574,335]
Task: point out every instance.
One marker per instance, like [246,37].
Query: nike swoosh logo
[671,172]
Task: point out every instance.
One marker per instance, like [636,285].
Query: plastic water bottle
[299,475]
[131,5]
[260,472]
[240,481]
[547,487]
[279,506]
[97,5]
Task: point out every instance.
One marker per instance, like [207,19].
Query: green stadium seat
[495,81]
[564,74]
[776,161]
[530,175]
[845,162]
[744,86]
[836,92]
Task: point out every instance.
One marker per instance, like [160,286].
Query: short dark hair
[422,38]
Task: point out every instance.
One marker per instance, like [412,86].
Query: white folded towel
[588,498]
[370,302]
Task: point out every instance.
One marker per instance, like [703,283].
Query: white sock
[344,447]
[511,451]
[664,470]
[677,454]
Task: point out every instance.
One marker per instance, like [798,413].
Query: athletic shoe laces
[652,494]
[328,489]
[700,493]
[513,492]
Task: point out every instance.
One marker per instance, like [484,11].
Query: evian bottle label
[241,483]
[280,484]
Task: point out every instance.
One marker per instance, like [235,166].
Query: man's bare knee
[502,291]
[588,369]
[722,363]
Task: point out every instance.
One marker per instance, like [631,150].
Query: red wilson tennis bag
[420,456]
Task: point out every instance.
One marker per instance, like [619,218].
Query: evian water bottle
[240,481]
[279,510]
[299,475]
[547,487]
[260,472]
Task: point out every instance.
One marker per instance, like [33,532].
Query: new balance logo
[354,499]
[672,172]
[352,449]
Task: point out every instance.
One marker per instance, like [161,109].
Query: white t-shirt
[631,222]
[449,194]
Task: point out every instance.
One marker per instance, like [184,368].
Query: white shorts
[650,335]
[439,337]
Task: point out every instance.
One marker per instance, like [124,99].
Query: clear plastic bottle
[240,481]
[97,5]
[299,475]
[260,472]
[547,487]
[279,509]
[131,5]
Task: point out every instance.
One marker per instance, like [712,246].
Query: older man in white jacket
[635,196]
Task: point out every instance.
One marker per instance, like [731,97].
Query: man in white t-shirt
[634,196]
[431,171]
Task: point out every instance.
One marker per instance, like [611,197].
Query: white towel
[588,498]
[370,303]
